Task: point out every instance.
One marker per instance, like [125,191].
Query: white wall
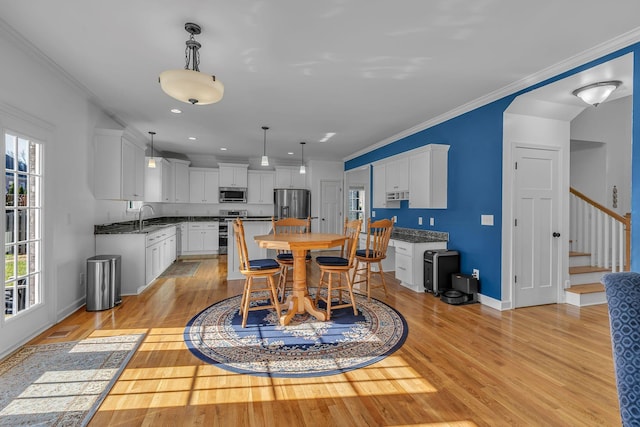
[609,123]
[35,91]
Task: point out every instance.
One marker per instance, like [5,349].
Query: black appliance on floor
[464,290]
[439,265]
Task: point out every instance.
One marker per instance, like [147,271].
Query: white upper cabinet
[203,185]
[428,171]
[290,177]
[158,182]
[180,180]
[118,166]
[380,185]
[419,176]
[233,175]
[132,170]
[397,177]
[260,188]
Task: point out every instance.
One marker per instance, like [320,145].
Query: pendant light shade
[596,93]
[303,170]
[265,159]
[152,160]
[190,85]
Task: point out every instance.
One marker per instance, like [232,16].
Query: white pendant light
[596,93]
[265,159]
[190,85]
[303,170]
[152,160]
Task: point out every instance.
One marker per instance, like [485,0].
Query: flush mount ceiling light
[265,159]
[596,93]
[303,170]
[152,160]
[190,85]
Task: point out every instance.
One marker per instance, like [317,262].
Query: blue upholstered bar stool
[283,257]
[331,266]
[252,269]
[378,235]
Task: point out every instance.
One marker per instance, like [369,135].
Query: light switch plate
[431,221]
[486,219]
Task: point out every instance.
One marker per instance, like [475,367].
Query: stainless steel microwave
[232,195]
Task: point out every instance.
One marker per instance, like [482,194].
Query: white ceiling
[365,69]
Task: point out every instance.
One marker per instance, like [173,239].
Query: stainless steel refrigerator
[291,203]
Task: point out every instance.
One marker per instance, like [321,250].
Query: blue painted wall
[474,188]
[475,180]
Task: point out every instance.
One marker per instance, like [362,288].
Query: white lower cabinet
[143,256]
[203,238]
[409,259]
[182,238]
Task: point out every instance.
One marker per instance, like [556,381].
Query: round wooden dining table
[299,300]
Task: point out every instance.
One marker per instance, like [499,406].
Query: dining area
[283,279]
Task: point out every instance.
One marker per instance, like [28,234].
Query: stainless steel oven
[223,235]
[223,228]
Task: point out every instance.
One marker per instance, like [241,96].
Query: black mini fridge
[439,265]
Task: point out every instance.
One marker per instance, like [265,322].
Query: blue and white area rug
[306,347]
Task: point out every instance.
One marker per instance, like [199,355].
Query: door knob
[556,234]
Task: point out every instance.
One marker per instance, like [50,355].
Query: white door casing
[331,206]
[537,208]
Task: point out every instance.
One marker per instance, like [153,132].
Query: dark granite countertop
[412,235]
[154,224]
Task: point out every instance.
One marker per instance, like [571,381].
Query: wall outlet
[395,219]
[419,220]
[476,273]
[431,222]
[373,214]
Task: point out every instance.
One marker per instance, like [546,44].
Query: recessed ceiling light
[290,153]
[327,136]
[176,111]
[192,138]
[223,148]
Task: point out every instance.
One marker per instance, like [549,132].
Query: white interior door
[537,218]
[331,207]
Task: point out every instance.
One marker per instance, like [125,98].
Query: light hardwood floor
[460,366]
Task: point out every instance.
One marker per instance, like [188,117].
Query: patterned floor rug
[304,348]
[181,269]
[61,384]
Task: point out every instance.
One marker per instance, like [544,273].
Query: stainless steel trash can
[103,282]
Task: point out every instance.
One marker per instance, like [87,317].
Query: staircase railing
[601,232]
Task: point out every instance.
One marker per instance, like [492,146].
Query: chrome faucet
[140,215]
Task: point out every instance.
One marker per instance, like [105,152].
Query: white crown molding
[598,51]
[32,50]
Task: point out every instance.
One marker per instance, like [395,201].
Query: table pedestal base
[301,304]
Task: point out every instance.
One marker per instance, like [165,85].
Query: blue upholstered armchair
[623,297]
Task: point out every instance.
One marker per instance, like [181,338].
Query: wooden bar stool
[339,265]
[378,235]
[285,258]
[251,269]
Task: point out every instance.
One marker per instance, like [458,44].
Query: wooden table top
[300,241]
